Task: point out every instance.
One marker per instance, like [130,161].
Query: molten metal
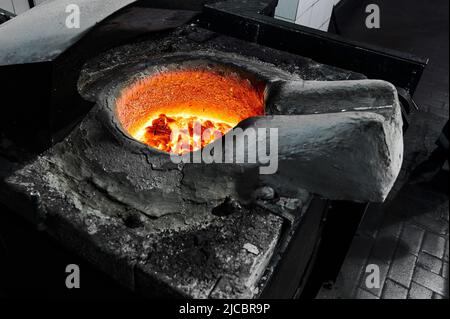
[181,134]
[182,111]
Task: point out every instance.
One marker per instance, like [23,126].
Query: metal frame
[6,13]
[253,21]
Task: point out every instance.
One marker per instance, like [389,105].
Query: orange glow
[187,102]
[182,134]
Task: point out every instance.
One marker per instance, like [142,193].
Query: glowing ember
[182,134]
[182,111]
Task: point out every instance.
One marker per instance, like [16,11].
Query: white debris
[251,248]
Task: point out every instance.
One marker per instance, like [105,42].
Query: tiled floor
[406,237]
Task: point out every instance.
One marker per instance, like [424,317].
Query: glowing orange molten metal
[183,134]
[184,110]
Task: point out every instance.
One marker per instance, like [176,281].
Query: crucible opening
[179,111]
